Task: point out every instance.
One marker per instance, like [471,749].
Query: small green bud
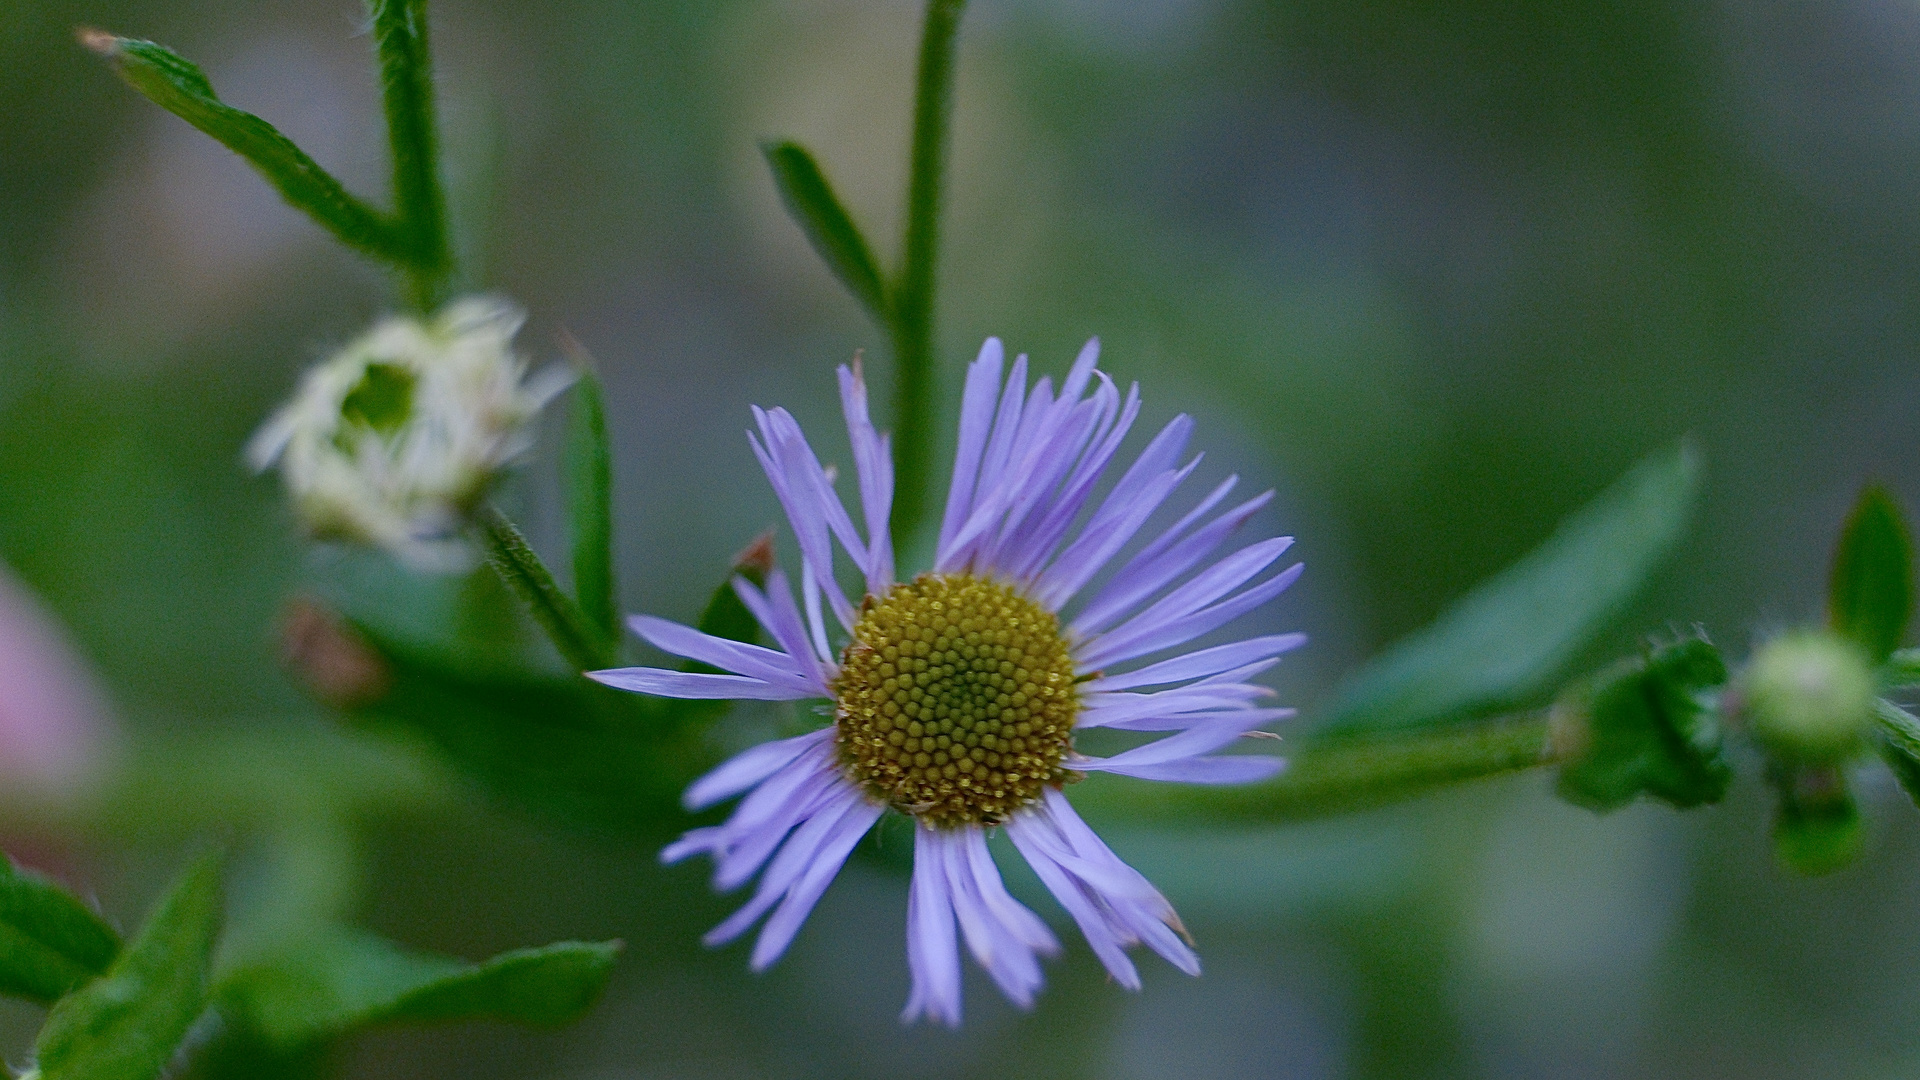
[1807,696]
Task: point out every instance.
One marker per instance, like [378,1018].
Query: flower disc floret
[956,700]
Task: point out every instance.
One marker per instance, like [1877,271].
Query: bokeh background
[1436,271]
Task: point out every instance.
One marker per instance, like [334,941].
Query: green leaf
[820,214]
[1901,671]
[50,940]
[589,468]
[1870,593]
[179,87]
[348,979]
[1649,725]
[725,616]
[1899,744]
[127,1024]
[1817,828]
[1506,641]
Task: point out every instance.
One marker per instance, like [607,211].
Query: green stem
[1333,775]
[520,567]
[912,315]
[406,83]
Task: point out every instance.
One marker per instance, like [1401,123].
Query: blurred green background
[1437,271]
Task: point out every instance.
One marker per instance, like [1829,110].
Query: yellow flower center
[956,700]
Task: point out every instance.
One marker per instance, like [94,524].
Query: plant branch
[911,325]
[406,85]
[520,567]
[1331,775]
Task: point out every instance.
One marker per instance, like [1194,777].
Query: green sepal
[1870,591]
[1817,827]
[828,225]
[50,940]
[1648,724]
[344,979]
[589,469]
[127,1024]
[179,87]
[1506,641]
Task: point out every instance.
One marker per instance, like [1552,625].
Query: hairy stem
[1333,775]
[406,84]
[520,567]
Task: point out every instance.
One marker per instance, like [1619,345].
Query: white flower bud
[1808,696]
[393,440]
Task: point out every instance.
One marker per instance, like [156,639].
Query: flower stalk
[911,317]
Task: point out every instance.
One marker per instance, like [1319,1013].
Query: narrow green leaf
[1647,725]
[179,87]
[1870,593]
[345,979]
[1506,641]
[50,940]
[1899,744]
[589,468]
[127,1024]
[821,215]
[517,564]
[1901,671]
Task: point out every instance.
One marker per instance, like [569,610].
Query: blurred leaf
[179,87]
[589,467]
[1648,724]
[1899,744]
[1870,593]
[347,979]
[50,940]
[1902,670]
[1816,829]
[260,779]
[127,1024]
[1507,639]
[820,214]
[725,616]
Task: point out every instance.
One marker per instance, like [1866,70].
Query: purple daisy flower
[956,694]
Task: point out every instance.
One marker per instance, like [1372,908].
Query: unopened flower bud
[393,440]
[1807,696]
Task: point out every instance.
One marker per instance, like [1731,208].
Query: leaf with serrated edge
[1870,592]
[127,1024]
[50,940]
[1507,639]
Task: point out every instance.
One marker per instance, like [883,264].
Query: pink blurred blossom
[53,715]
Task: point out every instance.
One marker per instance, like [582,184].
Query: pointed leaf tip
[1870,592]
[811,201]
[127,1024]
